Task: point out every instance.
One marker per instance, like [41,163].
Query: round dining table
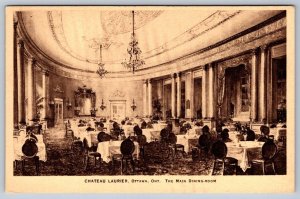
[244,152]
[109,148]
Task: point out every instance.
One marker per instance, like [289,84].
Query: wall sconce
[102,105]
[69,104]
[51,102]
[133,106]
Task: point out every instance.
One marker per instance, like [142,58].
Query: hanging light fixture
[134,52]
[101,70]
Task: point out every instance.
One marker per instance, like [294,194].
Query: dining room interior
[152,91]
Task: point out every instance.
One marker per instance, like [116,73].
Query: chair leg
[263,167]
[122,166]
[235,168]
[214,167]
[23,167]
[273,166]
[86,161]
[37,165]
[223,167]
[132,163]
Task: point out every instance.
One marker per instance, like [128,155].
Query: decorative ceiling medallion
[120,22]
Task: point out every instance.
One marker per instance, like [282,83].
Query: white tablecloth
[244,152]
[196,130]
[18,143]
[278,132]
[128,130]
[90,136]
[109,148]
[159,126]
[151,134]
[184,140]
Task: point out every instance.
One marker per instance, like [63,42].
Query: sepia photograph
[178,97]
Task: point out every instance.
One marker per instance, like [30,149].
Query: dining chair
[100,136]
[250,135]
[68,130]
[142,140]
[90,152]
[282,138]
[164,135]
[172,141]
[269,151]
[204,145]
[219,150]
[127,148]
[30,150]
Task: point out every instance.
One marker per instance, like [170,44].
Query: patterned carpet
[62,161]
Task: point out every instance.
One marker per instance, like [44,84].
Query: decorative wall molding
[58,89]
[118,93]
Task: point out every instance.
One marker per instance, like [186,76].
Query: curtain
[220,88]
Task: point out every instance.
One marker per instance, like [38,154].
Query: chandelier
[101,70]
[134,52]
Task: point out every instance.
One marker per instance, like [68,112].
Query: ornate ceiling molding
[120,22]
[113,23]
[209,23]
[58,33]
[272,31]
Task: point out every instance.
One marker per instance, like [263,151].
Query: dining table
[151,134]
[128,130]
[109,148]
[244,152]
[188,141]
[278,133]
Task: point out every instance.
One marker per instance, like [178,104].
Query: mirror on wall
[85,102]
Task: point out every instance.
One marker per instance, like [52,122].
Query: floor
[63,161]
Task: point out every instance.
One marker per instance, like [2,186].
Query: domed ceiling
[72,37]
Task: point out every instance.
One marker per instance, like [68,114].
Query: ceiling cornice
[183,63]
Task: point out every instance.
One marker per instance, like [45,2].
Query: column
[178,95]
[262,83]
[149,97]
[159,89]
[210,91]
[173,79]
[15,76]
[253,87]
[30,89]
[20,76]
[145,97]
[204,96]
[44,94]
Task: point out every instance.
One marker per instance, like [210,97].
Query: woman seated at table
[144,125]
[265,131]
[225,136]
